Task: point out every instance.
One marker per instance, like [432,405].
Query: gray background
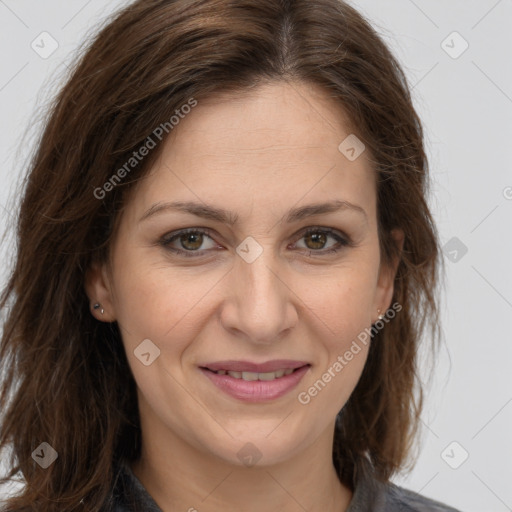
[466,107]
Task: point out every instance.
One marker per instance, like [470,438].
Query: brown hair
[65,376]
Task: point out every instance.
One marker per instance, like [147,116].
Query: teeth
[271,375]
[250,376]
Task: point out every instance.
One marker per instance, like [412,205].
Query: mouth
[243,383]
[252,376]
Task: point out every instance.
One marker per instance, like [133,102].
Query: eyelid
[171,236]
[341,237]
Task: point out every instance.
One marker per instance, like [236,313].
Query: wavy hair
[65,378]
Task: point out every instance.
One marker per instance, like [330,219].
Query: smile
[249,376]
[255,386]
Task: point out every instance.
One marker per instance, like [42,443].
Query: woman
[225,264]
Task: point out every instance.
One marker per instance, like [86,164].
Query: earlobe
[98,289]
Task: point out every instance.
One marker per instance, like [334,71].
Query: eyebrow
[230,218]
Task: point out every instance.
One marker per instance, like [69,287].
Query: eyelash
[166,240]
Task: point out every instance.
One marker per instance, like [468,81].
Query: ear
[387,273]
[98,289]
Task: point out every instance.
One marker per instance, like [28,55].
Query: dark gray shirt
[369,496]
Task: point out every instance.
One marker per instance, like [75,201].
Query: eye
[189,242]
[316,239]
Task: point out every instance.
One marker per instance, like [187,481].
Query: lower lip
[256,390]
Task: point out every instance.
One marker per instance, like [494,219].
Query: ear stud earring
[380,317]
[98,306]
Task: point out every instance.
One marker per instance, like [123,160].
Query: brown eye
[191,241]
[318,240]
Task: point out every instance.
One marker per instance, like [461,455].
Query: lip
[248,366]
[256,390]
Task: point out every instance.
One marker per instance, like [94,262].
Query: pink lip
[247,366]
[256,390]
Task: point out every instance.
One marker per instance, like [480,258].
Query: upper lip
[248,366]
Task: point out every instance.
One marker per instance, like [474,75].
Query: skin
[258,155]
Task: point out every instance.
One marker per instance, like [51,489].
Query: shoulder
[129,495]
[371,494]
[405,500]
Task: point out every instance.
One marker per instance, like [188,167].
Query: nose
[260,305]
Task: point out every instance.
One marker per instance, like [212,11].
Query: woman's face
[256,290]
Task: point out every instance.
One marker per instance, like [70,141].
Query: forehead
[278,144]
[271,119]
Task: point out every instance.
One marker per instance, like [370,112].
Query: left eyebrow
[297,214]
[230,218]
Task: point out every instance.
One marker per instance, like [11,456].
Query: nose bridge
[261,306]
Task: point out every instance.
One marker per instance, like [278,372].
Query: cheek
[341,338]
[341,299]
[339,308]
[159,303]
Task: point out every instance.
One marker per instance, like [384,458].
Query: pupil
[192,236]
[318,239]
